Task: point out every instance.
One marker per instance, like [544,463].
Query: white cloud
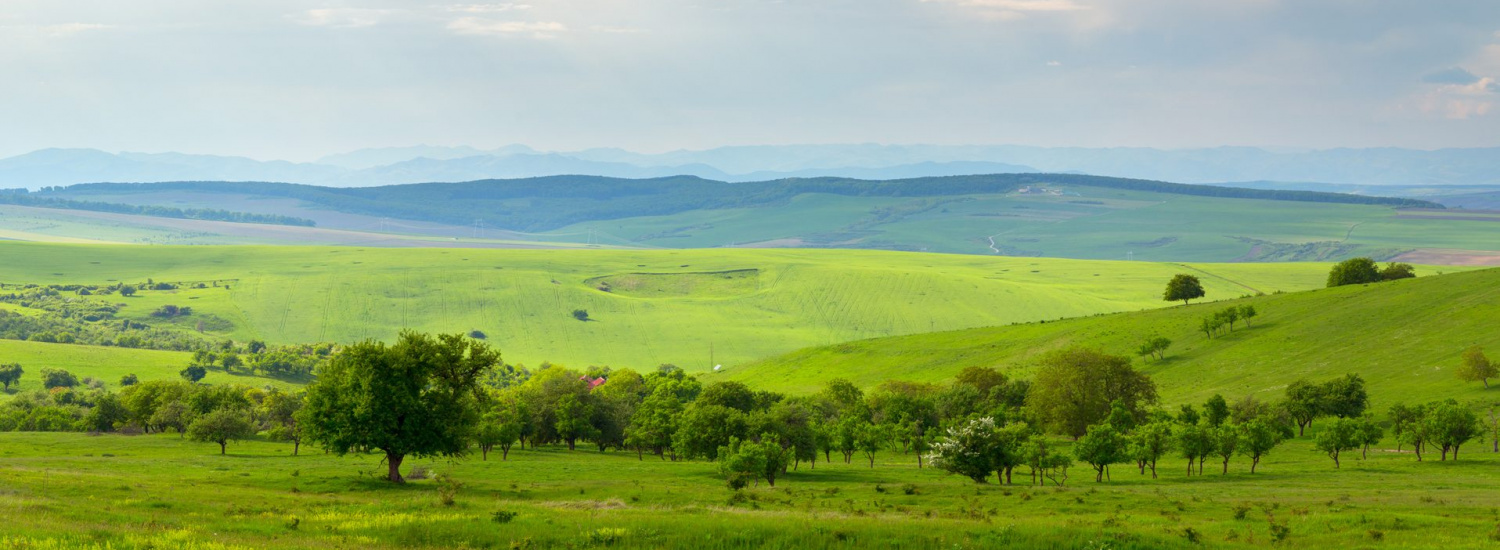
[487,8]
[1011,10]
[342,18]
[1461,101]
[1054,63]
[491,27]
[69,29]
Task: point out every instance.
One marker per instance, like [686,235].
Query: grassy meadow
[1404,337]
[160,491]
[770,302]
[109,364]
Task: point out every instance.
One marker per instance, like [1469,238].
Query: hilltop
[1404,337]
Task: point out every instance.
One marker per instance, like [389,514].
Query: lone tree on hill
[1354,271]
[416,397]
[221,426]
[1475,366]
[1393,271]
[581,314]
[10,374]
[1183,287]
[193,373]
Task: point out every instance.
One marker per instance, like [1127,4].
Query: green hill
[1404,337]
[108,364]
[1024,215]
[685,307]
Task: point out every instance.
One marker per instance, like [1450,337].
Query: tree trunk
[1009,469]
[571,443]
[1335,456]
[484,453]
[1226,467]
[504,452]
[394,461]
[222,444]
[296,446]
[1153,469]
[1190,467]
[1254,461]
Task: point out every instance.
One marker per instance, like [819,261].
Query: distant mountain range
[419,164]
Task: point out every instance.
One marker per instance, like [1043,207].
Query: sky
[296,80]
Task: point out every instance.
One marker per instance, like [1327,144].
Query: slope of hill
[686,307]
[1404,337]
[1029,215]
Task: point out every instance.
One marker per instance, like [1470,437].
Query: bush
[581,314]
[1354,271]
[502,516]
[58,378]
[477,334]
[129,380]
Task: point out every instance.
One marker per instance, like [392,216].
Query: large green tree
[221,426]
[1475,366]
[1074,388]
[10,373]
[416,397]
[1183,287]
[1354,271]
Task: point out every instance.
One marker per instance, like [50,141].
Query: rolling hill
[1404,337]
[687,307]
[1023,215]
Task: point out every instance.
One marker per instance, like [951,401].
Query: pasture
[522,299]
[160,491]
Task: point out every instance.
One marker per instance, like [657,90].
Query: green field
[123,492]
[1403,337]
[108,364]
[523,299]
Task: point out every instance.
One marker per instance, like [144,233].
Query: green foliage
[1354,271]
[1155,346]
[193,373]
[10,373]
[1257,438]
[1394,271]
[415,397]
[1216,410]
[1474,365]
[58,378]
[1183,287]
[581,314]
[1074,388]
[221,426]
[1342,434]
[1102,446]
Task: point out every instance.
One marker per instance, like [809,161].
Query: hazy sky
[287,79]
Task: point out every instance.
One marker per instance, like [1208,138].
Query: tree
[221,426]
[58,378]
[1216,410]
[416,397]
[1044,461]
[743,462]
[127,291]
[280,411]
[581,314]
[1304,401]
[106,413]
[1345,397]
[1195,443]
[1100,447]
[1450,425]
[1403,419]
[1368,432]
[703,429]
[172,415]
[10,373]
[1183,287]
[870,439]
[1074,389]
[730,394]
[1226,443]
[1149,443]
[1257,438]
[1247,312]
[1187,415]
[497,429]
[129,380]
[1155,346]
[1354,271]
[573,416]
[1394,271]
[654,422]
[1338,436]
[193,373]
[1476,366]
[965,449]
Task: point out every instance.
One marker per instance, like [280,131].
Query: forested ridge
[545,203]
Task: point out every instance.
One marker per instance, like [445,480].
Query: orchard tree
[414,398]
[221,426]
[1101,446]
[1216,410]
[573,416]
[1149,443]
[1155,346]
[1226,440]
[1354,271]
[10,373]
[1183,287]
[1450,425]
[1475,366]
[1342,434]
[1345,397]
[1247,312]
[193,373]
[1257,438]
[1305,403]
[1074,388]
[965,449]
[1195,443]
[1368,432]
[654,422]
[280,411]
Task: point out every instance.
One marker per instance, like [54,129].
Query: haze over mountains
[383,166]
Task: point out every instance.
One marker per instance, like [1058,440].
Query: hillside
[1024,215]
[686,307]
[1404,337]
[108,364]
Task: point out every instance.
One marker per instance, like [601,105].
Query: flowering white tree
[966,450]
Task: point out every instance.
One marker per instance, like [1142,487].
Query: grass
[523,299]
[109,364]
[80,491]
[1404,337]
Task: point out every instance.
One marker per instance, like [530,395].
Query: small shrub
[606,536]
[1241,509]
[447,488]
[477,334]
[502,516]
[1192,535]
[581,314]
[911,489]
[1377,535]
[419,472]
[1279,532]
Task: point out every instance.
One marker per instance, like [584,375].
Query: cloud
[490,27]
[342,18]
[1451,75]
[487,8]
[1015,5]
[69,29]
